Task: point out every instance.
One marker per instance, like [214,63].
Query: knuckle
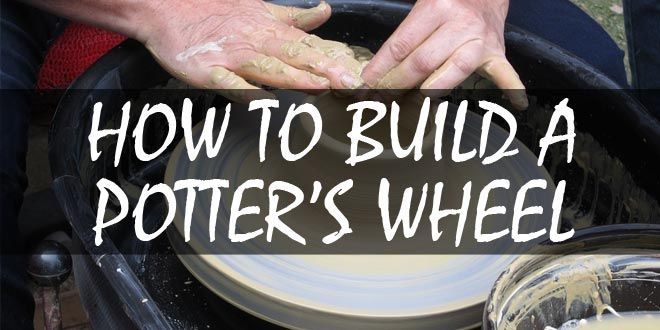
[370,76]
[472,16]
[463,63]
[242,47]
[437,6]
[400,48]
[473,20]
[422,64]
[478,43]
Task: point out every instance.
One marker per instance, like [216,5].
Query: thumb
[303,18]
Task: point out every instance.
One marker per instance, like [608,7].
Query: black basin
[603,110]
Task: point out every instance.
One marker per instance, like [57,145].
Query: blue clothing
[25,34]
[564,24]
[643,30]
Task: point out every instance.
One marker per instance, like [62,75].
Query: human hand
[441,43]
[223,44]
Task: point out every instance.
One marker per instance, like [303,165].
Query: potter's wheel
[342,290]
[598,198]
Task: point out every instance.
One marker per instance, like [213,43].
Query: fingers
[336,61]
[331,48]
[308,64]
[337,51]
[262,69]
[233,87]
[343,73]
[460,65]
[499,71]
[417,26]
[218,78]
[305,19]
[424,60]
[271,71]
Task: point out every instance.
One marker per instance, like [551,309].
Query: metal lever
[49,266]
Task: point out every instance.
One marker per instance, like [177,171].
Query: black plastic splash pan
[130,67]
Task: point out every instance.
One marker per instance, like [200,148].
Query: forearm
[123,16]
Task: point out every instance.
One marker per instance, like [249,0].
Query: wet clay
[293,49]
[226,79]
[355,58]
[266,64]
[303,18]
[342,52]
[362,54]
[572,282]
[634,320]
[332,49]
[213,46]
[587,282]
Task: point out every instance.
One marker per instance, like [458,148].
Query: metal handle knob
[49,266]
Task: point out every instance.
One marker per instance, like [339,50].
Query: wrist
[144,18]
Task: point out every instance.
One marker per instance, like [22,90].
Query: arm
[441,43]
[221,44]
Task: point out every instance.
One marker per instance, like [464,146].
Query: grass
[609,13]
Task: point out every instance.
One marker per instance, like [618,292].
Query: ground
[609,13]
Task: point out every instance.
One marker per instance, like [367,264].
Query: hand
[441,43]
[223,44]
